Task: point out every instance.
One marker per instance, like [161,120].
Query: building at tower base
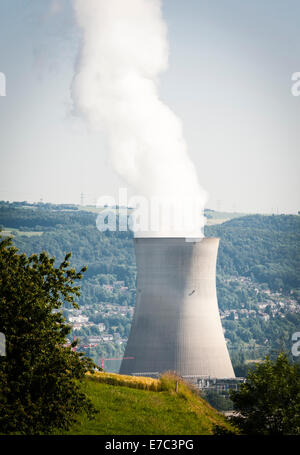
[176,324]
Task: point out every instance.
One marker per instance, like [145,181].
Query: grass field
[127,410]
[213,221]
[12,232]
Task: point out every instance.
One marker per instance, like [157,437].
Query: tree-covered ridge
[38,216]
[103,252]
[257,276]
[263,248]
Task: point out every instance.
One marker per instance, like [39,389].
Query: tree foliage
[263,248]
[39,376]
[269,401]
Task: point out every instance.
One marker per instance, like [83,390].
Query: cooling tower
[176,324]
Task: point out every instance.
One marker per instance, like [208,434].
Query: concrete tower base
[176,324]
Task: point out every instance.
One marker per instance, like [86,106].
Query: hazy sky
[229,80]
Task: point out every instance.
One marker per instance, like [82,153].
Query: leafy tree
[269,400]
[40,377]
[217,400]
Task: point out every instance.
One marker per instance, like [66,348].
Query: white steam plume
[124,48]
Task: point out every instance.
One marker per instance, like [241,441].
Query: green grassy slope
[129,411]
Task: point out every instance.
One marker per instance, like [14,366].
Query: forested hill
[46,216]
[36,228]
[263,248]
[258,273]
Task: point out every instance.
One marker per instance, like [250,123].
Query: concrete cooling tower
[176,324]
